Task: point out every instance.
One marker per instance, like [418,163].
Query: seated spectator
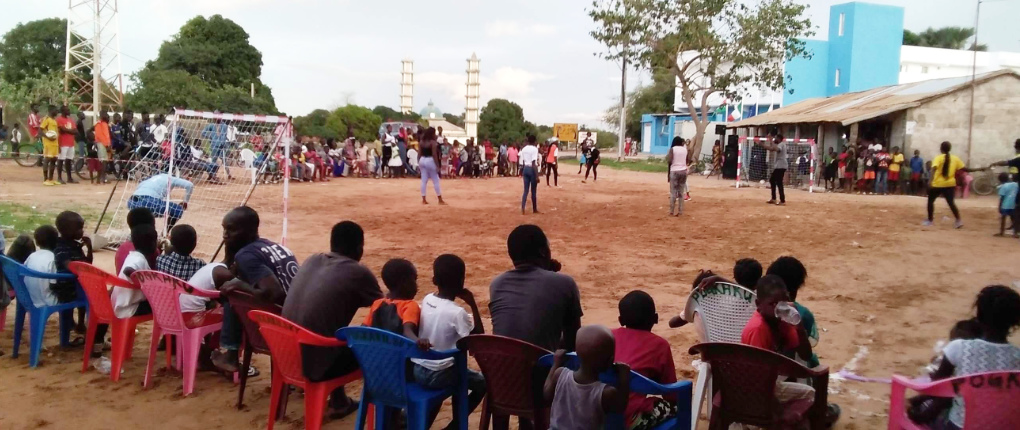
[924,409]
[129,302]
[793,273]
[765,330]
[532,302]
[42,261]
[443,323]
[412,158]
[747,272]
[703,280]
[998,313]
[135,217]
[648,354]
[579,400]
[21,248]
[178,262]
[72,245]
[209,277]
[327,291]
[398,312]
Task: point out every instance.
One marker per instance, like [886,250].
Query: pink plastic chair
[96,283]
[163,292]
[990,399]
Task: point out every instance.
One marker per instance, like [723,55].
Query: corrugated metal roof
[856,107]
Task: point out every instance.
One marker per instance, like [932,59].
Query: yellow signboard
[565,132]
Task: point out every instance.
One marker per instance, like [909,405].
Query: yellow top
[897,161]
[939,181]
[49,124]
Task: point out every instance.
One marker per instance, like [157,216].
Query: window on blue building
[837,77]
[842,22]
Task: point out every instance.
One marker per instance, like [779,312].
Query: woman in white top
[676,158]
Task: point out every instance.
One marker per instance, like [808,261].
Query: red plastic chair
[242,303]
[96,283]
[745,378]
[163,292]
[512,386]
[285,339]
[990,399]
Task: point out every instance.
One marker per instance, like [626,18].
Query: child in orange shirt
[398,312]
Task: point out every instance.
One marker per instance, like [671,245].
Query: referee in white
[528,160]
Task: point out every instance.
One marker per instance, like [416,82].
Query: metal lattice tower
[92,67]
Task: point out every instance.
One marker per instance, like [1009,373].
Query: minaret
[471,108]
[406,86]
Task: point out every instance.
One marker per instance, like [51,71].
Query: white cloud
[515,28]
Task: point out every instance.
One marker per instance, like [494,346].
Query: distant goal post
[755,164]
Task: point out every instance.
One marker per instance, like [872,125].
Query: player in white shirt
[528,159]
[443,323]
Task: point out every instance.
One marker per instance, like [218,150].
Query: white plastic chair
[248,158]
[724,310]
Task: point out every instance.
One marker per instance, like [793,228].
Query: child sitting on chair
[766,331]
[129,302]
[648,354]
[42,261]
[579,400]
[72,245]
[398,312]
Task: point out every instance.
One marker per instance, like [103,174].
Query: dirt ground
[883,288]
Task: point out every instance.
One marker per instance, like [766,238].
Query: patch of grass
[656,165]
[16,219]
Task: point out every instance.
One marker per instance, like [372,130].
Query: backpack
[386,318]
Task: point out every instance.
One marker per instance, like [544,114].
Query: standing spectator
[551,159]
[103,142]
[388,142]
[503,159]
[146,141]
[532,302]
[882,161]
[68,131]
[80,135]
[327,291]
[50,133]
[676,159]
[782,163]
[34,123]
[895,165]
[511,157]
[216,133]
[916,171]
[264,269]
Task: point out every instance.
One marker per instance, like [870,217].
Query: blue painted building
[862,52]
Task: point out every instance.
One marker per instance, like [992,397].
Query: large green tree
[43,90]
[33,48]
[945,37]
[654,98]
[208,65]
[354,120]
[709,47]
[502,121]
[314,124]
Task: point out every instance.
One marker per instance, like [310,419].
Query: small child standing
[42,260]
[92,160]
[579,400]
[1007,204]
[444,323]
[648,354]
[398,312]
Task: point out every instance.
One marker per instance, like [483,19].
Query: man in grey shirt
[532,302]
[324,295]
[778,146]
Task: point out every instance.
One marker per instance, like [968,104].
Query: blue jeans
[230,333]
[219,152]
[881,182]
[530,181]
[157,206]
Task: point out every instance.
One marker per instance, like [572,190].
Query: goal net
[755,163]
[223,156]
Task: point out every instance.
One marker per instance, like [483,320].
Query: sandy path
[882,288]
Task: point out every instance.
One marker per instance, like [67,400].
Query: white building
[918,63]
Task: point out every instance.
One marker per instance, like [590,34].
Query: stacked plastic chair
[383,357]
[724,310]
[96,283]
[513,387]
[989,399]
[37,316]
[285,340]
[164,295]
[746,377]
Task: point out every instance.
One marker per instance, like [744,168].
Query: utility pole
[973,77]
[623,87]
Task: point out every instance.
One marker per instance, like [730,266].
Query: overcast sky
[323,53]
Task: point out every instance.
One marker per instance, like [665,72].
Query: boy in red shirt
[648,354]
[68,131]
[33,123]
[765,330]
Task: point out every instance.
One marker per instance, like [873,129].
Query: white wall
[919,63]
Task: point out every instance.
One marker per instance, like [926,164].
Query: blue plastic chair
[683,390]
[383,359]
[16,274]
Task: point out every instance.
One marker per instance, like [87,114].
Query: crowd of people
[532,302]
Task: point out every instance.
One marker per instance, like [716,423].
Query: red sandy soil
[883,289]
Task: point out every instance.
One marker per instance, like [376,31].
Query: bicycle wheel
[79,168]
[29,155]
[983,185]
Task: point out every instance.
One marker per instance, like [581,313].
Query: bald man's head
[596,347]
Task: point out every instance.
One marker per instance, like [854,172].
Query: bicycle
[985,182]
[30,155]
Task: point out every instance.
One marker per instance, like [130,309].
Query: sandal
[77,342]
[337,414]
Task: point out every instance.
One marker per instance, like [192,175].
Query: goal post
[755,164]
[224,157]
